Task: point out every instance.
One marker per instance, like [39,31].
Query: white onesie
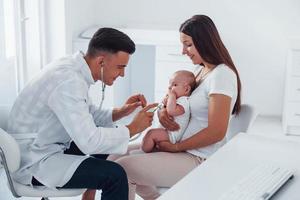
[182,120]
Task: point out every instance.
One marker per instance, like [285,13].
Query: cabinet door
[171,53]
[293,113]
[296,63]
[292,125]
[294,89]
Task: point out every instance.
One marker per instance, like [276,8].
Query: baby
[181,86]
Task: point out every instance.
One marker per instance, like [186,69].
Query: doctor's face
[114,66]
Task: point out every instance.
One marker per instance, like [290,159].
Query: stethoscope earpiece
[103,84]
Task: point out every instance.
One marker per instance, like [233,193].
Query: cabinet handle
[297,114]
[23,19]
[298,89]
[174,54]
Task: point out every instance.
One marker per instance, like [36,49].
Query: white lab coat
[56,106]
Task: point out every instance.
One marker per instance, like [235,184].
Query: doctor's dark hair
[110,40]
[208,43]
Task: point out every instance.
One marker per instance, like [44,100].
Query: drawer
[293,114]
[171,53]
[296,63]
[294,89]
[293,130]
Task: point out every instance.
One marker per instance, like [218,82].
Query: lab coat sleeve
[102,117]
[69,102]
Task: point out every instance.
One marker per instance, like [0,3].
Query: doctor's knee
[117,174]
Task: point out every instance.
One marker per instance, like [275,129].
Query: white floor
[267,126]
[271,127]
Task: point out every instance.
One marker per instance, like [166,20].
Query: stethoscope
[103,86]
[103,97]
[102,82]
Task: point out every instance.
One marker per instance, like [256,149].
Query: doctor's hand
[138,98]
[131,104]
[167,121]
[142,120]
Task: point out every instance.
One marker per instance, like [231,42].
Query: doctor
[56,106]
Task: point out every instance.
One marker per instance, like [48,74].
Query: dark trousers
[98,173]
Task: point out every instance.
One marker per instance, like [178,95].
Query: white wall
[55,30]
[2,38]
[8,91]
[80,14]
[255,32]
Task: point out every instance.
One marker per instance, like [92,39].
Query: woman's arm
[166,120]
[218,117]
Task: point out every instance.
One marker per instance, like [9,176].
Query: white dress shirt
[56,106]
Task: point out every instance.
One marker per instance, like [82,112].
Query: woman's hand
[131,104]
[167,121]
[167,147]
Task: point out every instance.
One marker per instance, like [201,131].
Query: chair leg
[45,198]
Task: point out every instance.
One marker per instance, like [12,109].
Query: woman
[216,96]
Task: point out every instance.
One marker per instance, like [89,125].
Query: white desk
[232,162]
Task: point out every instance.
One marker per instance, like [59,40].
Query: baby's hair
[190,77]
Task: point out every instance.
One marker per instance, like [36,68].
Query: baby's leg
[152,137]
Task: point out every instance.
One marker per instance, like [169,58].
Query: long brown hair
[210,46]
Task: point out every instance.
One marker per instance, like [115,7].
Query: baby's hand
[172,93]
[165,100]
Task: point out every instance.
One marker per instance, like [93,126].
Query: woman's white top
[221,80]
[56,106]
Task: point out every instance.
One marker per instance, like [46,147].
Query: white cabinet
[291,112]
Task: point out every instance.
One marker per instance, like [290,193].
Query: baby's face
[179,85]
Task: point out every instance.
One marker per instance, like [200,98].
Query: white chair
[10,159]
[238,123]
[241,122]
[4,113]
